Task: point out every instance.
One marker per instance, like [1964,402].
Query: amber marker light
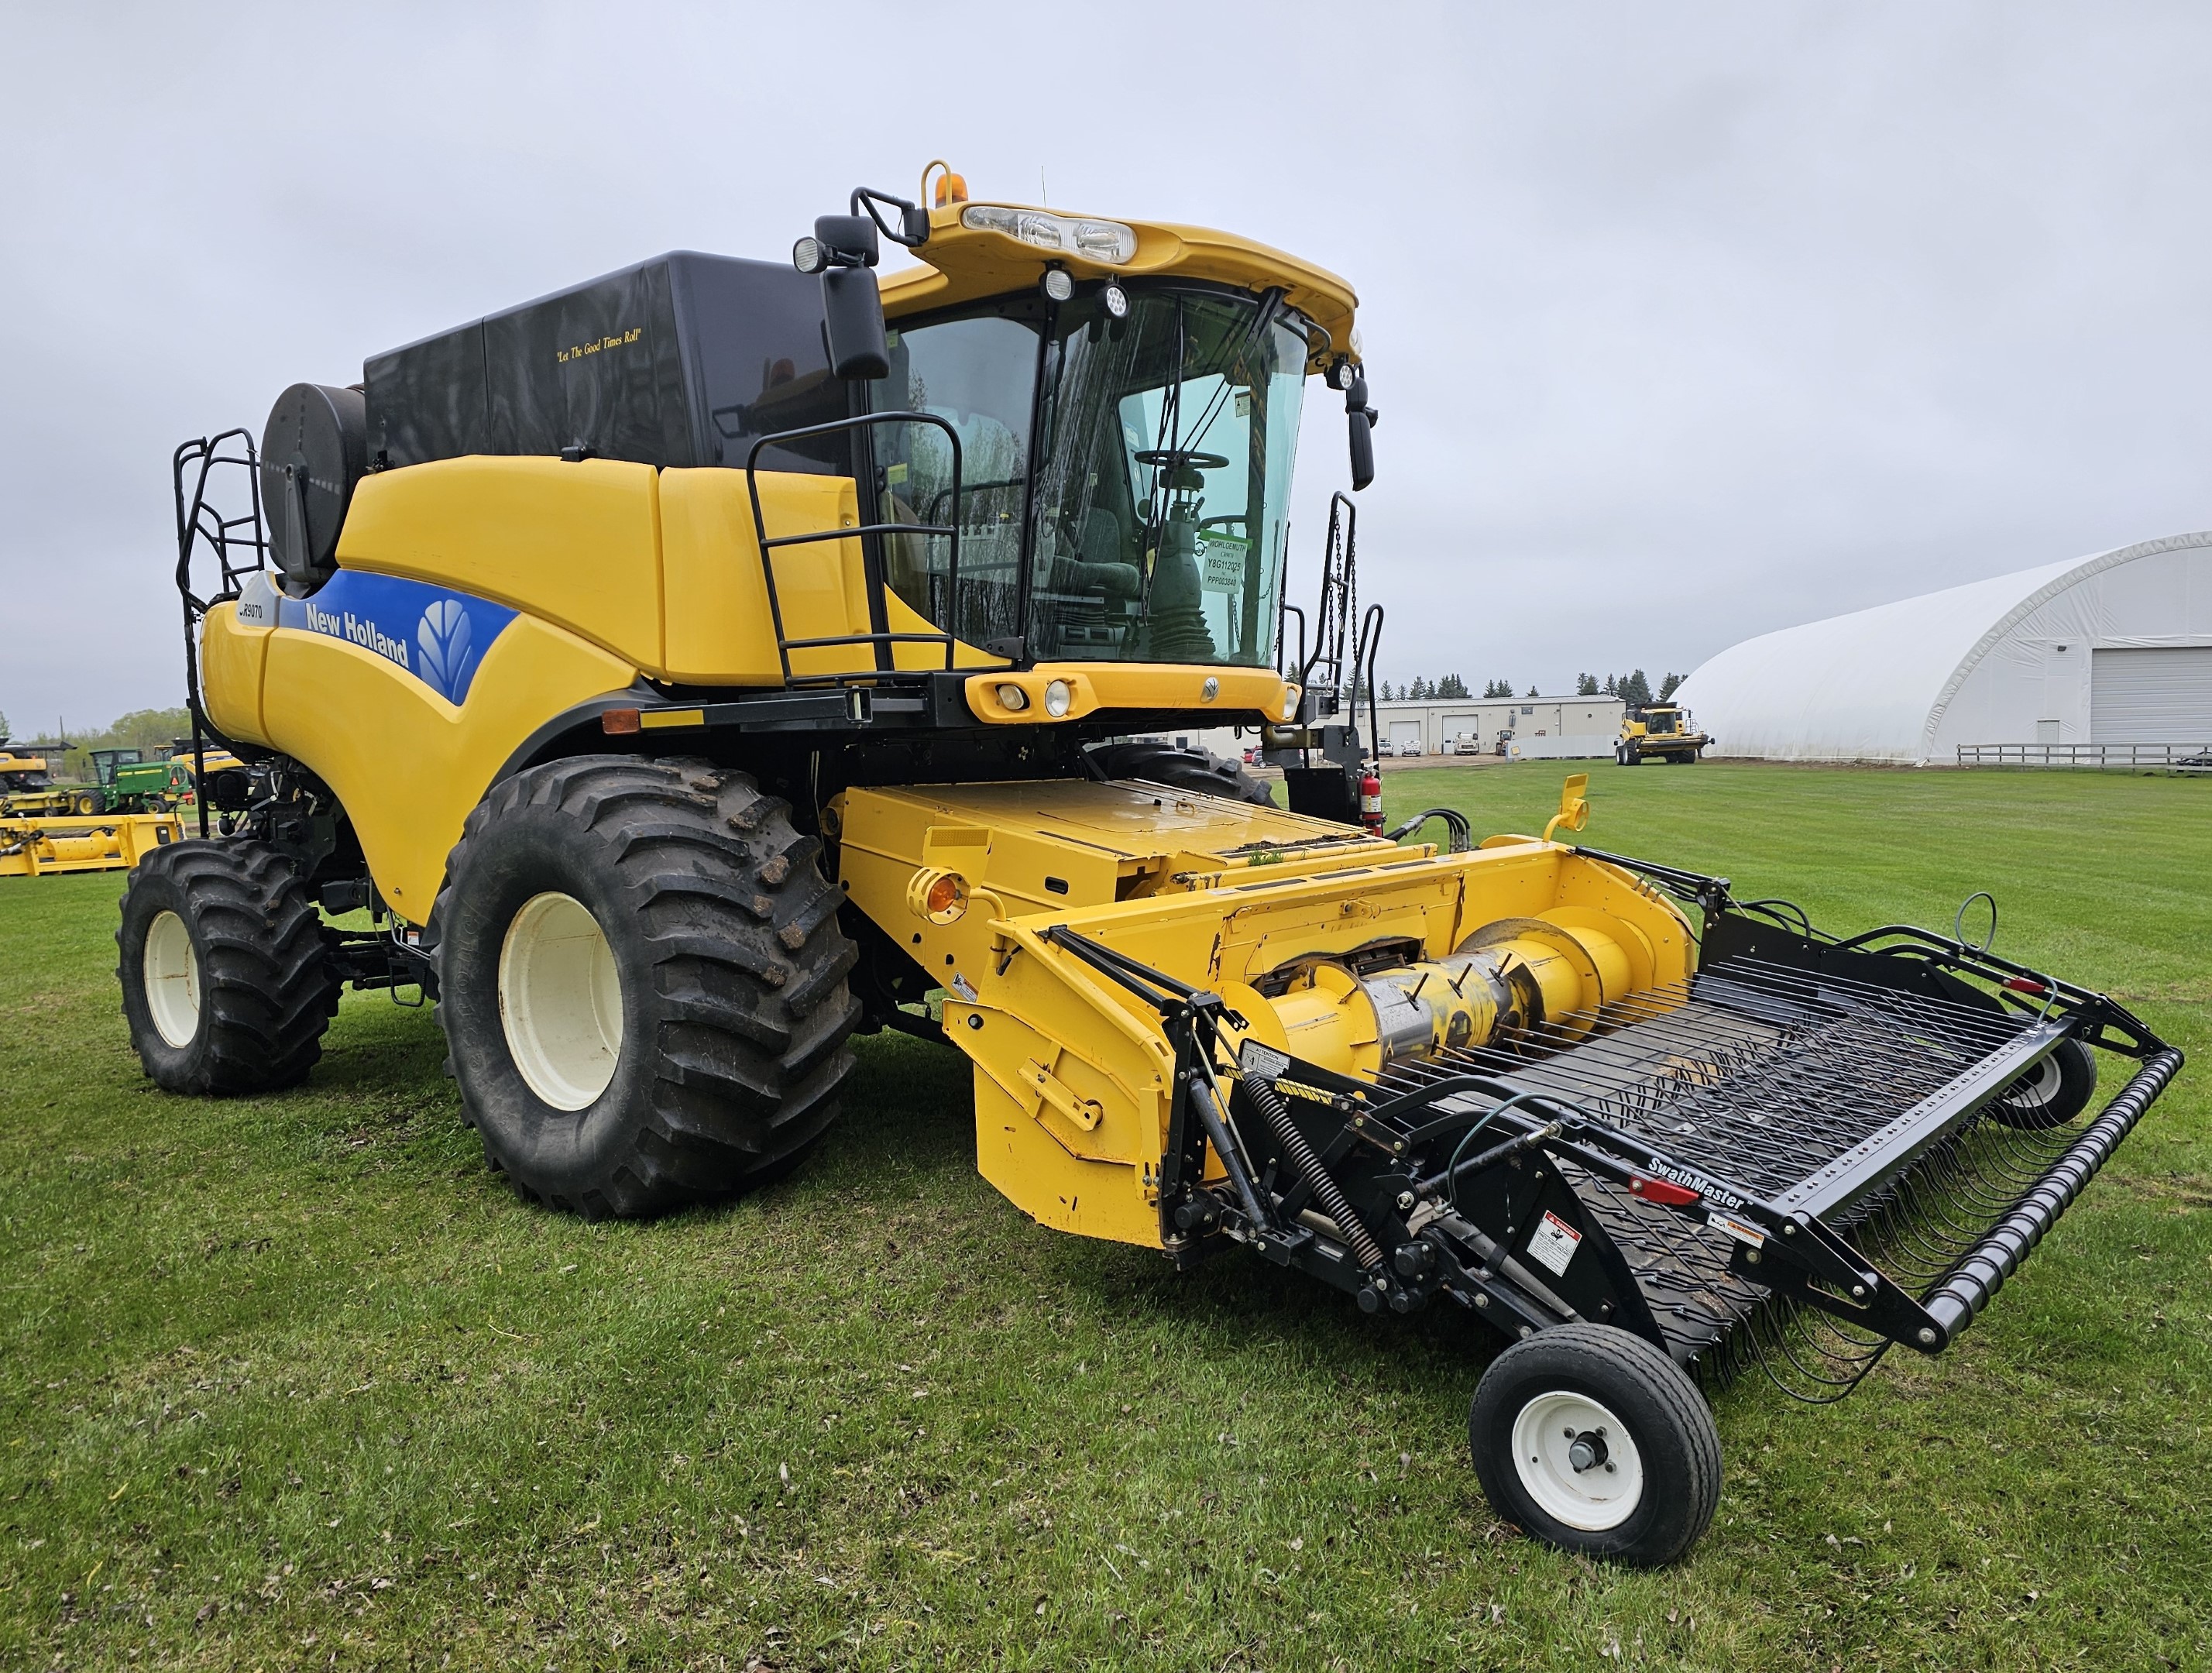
[936,895]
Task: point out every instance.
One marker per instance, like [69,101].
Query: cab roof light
[1107,242]
[951,188]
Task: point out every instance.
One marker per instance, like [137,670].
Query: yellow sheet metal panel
[719,629]
[407,764]
[577,544]
[1054,844]
[231,656]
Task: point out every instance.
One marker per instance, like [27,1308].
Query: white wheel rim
[2039,1086]
[172,979]
[560,1001]
[1557,1431]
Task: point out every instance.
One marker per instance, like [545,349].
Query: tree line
[1633,688]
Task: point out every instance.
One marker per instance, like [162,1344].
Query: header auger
[692,668]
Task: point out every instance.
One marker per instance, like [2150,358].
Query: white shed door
[2161,695]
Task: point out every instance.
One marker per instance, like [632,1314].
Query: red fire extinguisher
[1370,802]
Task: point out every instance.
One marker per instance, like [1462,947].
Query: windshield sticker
[438,636]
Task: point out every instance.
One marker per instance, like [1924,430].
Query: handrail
[882,642]
[199,523]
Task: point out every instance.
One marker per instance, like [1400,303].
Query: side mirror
[1361,419]
[852,311]
[1363,447]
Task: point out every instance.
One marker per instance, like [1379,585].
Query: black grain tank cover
[681,361]
[314,450]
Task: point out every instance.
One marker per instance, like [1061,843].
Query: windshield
[1155,533]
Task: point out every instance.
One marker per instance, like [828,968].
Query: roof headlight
[1013,697]
[809,255]
[1107,242]
[1058,283]
[1116,301]
[1057,699]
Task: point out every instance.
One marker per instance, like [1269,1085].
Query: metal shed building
[2114,650]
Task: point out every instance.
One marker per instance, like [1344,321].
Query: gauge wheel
[2052,1093]
[643,983]
[1591,1439]
[227,982]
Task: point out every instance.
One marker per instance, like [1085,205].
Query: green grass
[294,1381]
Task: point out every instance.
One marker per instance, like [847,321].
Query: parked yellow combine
[1660,731]
[692,667]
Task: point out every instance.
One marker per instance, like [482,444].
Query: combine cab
[689,669]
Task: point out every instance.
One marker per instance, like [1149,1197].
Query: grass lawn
[294,1381]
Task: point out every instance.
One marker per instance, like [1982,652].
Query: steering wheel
[1172,456]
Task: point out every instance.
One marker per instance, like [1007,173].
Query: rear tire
[643,983]
[227,984]
[1593,1441]
[2050,1094]
[1186,769]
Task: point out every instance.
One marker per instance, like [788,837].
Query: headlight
[1013,697]
[1106,242]
[1058,283]
[1289,702]
[808,256]
[1057,697]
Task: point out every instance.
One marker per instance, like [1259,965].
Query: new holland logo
[449,657]
[449,637]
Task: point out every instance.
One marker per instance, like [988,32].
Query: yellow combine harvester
[692,667]
[1660,731]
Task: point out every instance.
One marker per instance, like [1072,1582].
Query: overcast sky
[1686,321]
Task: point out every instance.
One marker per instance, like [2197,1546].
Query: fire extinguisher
[1370,802]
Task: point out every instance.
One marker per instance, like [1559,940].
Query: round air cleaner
[314,450]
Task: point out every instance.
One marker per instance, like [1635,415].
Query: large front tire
[1593,1441]
[643,983]
[228,984]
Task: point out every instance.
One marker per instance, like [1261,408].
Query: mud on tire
[701,1044]
[226,983]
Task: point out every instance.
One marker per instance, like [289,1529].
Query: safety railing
[2177,758]
[881,642]
[239,544]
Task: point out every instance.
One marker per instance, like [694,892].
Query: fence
[2173,757]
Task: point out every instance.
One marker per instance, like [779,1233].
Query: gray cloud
[1688,322]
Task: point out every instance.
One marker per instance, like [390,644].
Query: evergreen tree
[1532,692]
[1451,685]
[1612,686]
[1671,684]
[1635,689]
[1585,685]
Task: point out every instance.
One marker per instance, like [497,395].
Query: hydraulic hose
[1326,1191]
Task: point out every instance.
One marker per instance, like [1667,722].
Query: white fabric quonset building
[2111,649]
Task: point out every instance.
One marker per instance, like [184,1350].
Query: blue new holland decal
[438,636]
